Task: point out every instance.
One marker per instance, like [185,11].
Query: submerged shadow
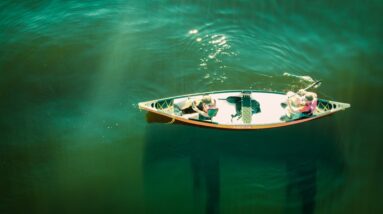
[301,180]
[180,161]
[206,178]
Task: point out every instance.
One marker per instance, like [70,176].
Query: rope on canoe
[325,106]
[172,121]
[165,106]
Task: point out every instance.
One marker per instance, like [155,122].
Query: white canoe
[270,115]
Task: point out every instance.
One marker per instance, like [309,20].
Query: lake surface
[74,141]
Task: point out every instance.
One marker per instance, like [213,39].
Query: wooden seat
[246,108]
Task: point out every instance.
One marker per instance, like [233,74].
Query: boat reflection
[201,170]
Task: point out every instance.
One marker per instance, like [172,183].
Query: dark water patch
[298,157]
[70,176]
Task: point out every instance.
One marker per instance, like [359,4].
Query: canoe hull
[269,116]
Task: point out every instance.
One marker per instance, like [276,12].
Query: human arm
[295,104]
[196,109]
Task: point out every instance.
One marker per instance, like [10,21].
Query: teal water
[74,141]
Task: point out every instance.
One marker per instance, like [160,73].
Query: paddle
[312,85]
[308,87]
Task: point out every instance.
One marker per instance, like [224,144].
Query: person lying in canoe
[205,107]
[301,104]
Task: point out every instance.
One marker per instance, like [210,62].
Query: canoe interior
[271,110]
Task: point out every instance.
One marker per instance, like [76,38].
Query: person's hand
[194,106]
[205,107]
[301,92]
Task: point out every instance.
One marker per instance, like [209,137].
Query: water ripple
[215,51]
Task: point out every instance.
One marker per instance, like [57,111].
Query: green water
[74,141]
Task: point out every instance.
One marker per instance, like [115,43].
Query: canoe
[238,109]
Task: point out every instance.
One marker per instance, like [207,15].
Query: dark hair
[207,99]
[309,97]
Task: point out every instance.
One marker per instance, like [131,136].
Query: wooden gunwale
[174,118]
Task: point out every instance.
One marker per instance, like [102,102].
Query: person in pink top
[300,104]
